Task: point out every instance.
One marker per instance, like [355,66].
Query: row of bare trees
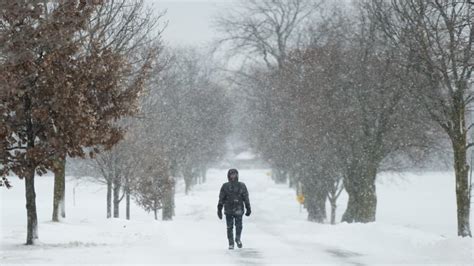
[92,79]
[179,132]
[193,112]
[137,168]
[336,97]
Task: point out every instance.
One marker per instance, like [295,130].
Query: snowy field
[416,224]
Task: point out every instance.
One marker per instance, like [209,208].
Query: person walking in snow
[233,197]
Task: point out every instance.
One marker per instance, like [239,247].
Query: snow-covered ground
[416,224]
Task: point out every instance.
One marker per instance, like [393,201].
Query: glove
[248,212]
[219,210]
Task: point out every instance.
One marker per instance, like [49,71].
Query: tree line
[336,95]
[180,131]
[93,80]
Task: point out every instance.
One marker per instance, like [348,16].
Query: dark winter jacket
[233,196]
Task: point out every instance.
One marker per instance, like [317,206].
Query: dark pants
[230,220]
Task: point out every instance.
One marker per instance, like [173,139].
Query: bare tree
[266,28]
[264,32]
[117,168]
[436,38]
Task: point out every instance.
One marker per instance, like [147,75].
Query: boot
[230,237]
[238,232]
[239,243]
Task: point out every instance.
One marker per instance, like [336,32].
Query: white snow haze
[342,124]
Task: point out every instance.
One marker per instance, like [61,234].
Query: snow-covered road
[412,228]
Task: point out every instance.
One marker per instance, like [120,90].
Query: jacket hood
[233,171]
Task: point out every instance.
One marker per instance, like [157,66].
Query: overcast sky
[190,21]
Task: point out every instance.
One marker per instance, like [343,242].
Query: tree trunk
[59,189]
[362,204]
[173,192]
[333,211]
[203,174]
[316,207]
[461,170]
[62,206]
[194,177]
[32,219]
[30,194]
[109,199]
[167,212]
[188,179]
[168,202]
[127,201]
[187,184]
[156,214]
[116,195]
[315,202]
[292,179]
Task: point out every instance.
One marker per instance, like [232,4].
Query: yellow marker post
[300,198]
